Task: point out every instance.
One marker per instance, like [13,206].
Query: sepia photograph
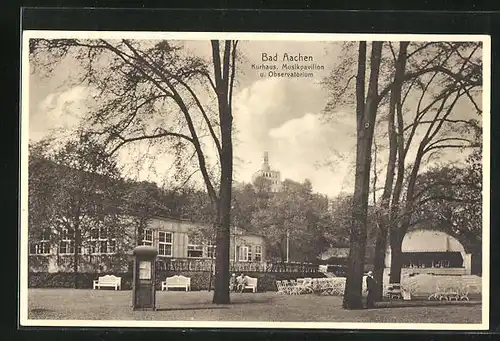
[255,180]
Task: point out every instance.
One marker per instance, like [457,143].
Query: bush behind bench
[199,279]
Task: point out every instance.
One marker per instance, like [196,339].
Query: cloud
[306,144]
[58,110]
[312,136]
[303,130]
[283,117]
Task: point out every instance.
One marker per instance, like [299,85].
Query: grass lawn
[71,304]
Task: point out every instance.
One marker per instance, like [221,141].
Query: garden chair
[327,286]
[307,286]
[315,284]
[280,287]
[323,286]
[464,292]
[304,286]
[439,293]
[294,287]
[286,286]
[452,293]
[338,288]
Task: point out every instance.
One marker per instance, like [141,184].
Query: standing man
[371,287]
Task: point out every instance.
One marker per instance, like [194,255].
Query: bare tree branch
[180,102]
[443,146]
[467,122]
[147,137]
[233,74]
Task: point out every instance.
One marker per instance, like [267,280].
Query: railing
[436,271]
[90,263]
[185,264]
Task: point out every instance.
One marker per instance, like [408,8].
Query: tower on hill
[273,176]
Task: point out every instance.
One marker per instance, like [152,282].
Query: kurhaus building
[102,250]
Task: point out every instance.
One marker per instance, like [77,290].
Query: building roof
[242,231]
[239,230]
[423,240]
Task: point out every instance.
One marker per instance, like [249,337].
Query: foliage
[42,188]
[450,199]
[429,93]
[158,93]
[340,212]
[73,190]
[294,211]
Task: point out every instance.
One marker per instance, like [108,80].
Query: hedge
[199,280]
[67,279]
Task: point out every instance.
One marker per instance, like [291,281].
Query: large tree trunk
[222,81]
[366,114]
[397,234]
[384,212]
[357,237]
[379,260]
[476,262]
[396,258]
[221,287]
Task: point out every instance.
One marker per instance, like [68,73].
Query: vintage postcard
[255,180]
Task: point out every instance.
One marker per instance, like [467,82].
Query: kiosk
[143,283]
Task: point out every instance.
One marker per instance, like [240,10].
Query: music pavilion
[424,252]
[432,252]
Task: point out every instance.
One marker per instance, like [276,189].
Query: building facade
[247,247]
[273,177]
[103,250]
[178,239]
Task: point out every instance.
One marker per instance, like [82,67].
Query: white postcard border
[24,129]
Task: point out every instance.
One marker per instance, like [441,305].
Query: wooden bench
[394,291]
[176,282]
[251,284]
[109,281]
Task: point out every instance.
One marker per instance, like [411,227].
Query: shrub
[199,279]
[67,280]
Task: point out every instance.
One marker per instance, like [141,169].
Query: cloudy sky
[280,115]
